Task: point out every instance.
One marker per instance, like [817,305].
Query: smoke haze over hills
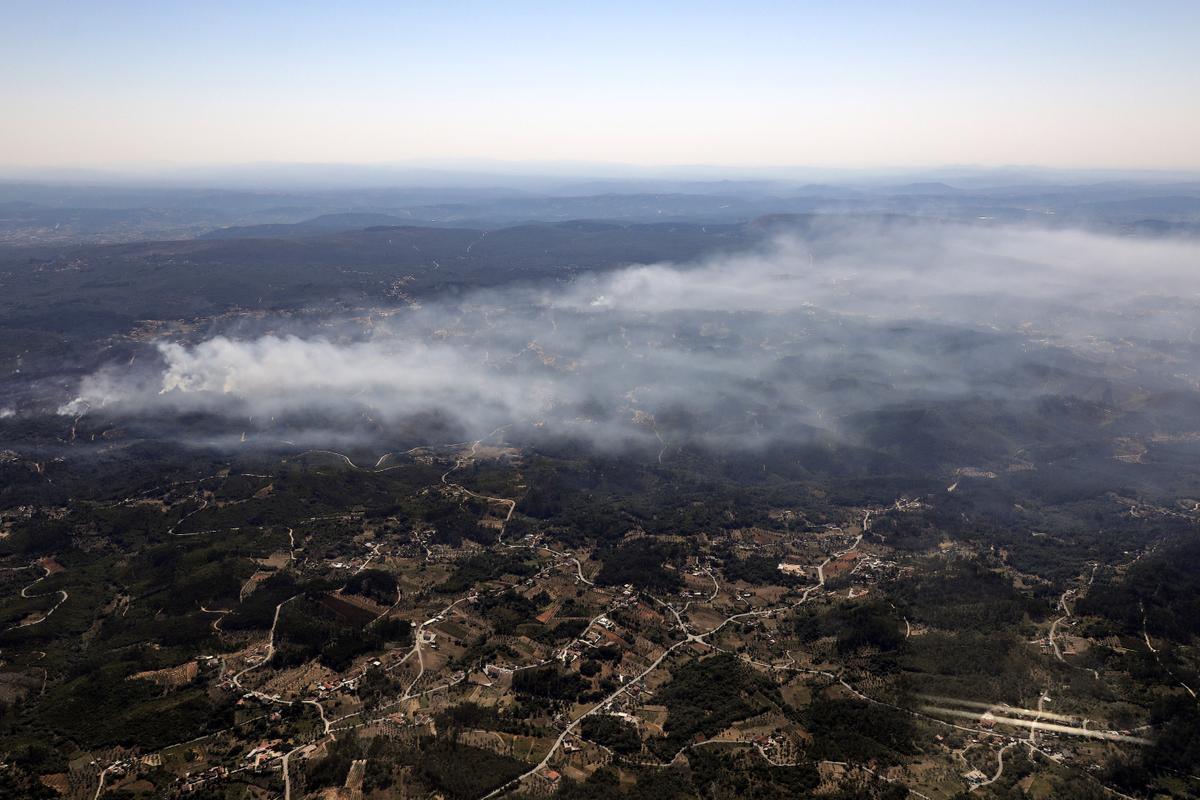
[800,335]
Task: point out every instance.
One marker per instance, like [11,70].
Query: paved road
[25,593]
[237,679]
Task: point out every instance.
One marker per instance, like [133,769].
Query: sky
[1087,84]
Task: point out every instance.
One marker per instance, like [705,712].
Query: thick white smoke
[772,335]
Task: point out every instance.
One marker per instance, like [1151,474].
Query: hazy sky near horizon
[852,84]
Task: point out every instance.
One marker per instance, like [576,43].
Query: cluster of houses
[261,755]
[192,783]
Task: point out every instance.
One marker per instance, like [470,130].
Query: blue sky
[851,84]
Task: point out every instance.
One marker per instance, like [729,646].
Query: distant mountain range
[57,214]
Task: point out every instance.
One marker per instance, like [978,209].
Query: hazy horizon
[556,177]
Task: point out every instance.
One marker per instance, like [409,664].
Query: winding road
[25,593]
